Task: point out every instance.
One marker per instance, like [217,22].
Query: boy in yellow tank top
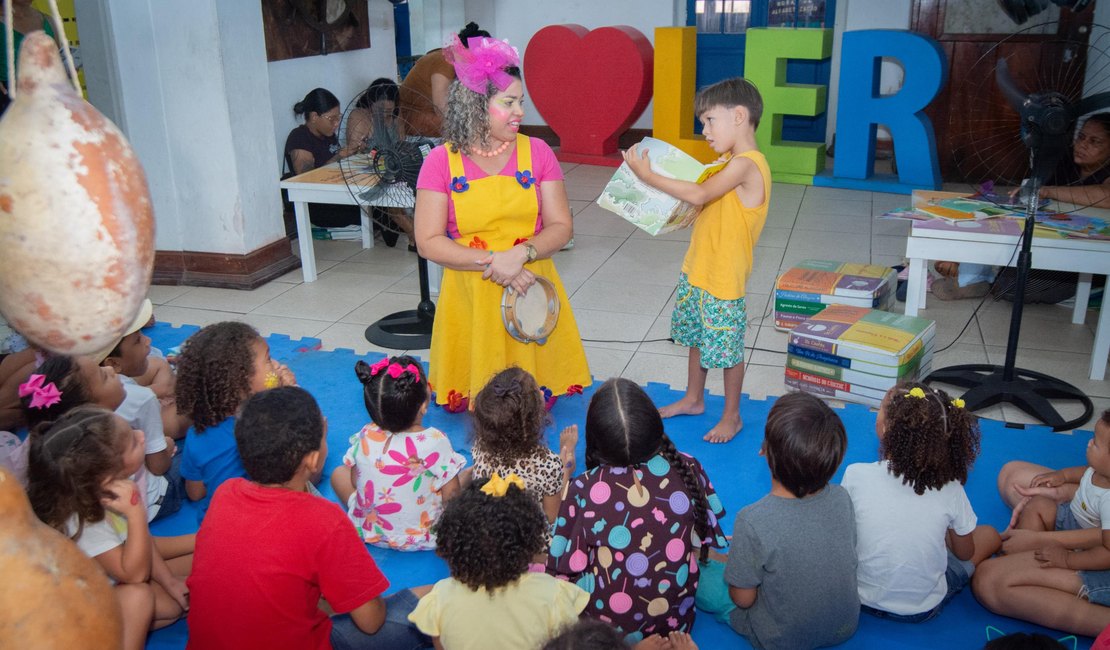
[709,315]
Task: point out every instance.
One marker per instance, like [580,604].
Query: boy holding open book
[710,316]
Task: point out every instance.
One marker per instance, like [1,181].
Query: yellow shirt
[524,614]
[719,259]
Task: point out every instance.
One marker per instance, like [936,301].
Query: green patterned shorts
[716,327]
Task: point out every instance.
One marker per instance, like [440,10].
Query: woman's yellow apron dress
[469,341]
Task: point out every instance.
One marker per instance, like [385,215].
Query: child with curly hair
[78,483]
[218,368]
[397,473]
[509,421]
[917,539]
[641,509]
[488,535]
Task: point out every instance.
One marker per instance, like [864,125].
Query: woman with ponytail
[642,508]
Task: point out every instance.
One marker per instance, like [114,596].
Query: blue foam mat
[739,474]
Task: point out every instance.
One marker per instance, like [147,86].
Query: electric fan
[382,179]
[1015,118]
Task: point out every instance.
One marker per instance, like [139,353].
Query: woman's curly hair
[67,464]
[928,441]
[466,122]
[509,417]
[214,372]
[489,541]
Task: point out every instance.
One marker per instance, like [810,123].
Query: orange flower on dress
[479,243]
[519,240]
[456,402]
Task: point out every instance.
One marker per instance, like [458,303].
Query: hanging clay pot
[76,224]
[54,595]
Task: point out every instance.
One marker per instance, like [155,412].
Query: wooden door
[978,134]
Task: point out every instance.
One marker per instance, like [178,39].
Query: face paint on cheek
[499,112]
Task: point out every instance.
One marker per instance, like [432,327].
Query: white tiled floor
[621,283]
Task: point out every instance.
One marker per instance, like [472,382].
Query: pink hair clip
[395,370]
[379,366]
[42,395]
[484,61]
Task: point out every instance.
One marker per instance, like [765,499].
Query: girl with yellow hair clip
[918,539]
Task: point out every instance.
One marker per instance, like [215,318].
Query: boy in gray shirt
[791,569]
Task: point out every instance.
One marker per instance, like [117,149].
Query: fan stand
[1031,391]
[410,329]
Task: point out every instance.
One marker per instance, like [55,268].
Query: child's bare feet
[726,429]
[568,440]
[682,641]
[653,642]
[686,406]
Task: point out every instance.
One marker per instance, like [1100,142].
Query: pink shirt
[435,175]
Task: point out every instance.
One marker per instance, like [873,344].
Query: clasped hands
[506,269]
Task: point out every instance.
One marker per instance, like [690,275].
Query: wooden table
[326,185]
[1085,256]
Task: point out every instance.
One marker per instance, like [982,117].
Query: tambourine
[531,317]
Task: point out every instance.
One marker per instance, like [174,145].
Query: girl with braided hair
[397,473]
[917,538]
[642,508]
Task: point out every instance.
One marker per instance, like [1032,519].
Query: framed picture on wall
[299,28]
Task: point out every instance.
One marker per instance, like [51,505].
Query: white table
[1083,256]
[326,185]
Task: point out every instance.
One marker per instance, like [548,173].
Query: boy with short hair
[791,571]
[268,550]
[710,315]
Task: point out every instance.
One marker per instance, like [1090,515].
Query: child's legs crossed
[1016,585]
[1038,514]
[137,606]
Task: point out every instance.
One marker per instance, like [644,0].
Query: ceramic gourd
[76,224]
[54,596]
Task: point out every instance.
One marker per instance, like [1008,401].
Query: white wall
[345,74]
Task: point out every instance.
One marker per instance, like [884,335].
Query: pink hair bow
[483,61]
[42,395]
[379,366]
[395,370]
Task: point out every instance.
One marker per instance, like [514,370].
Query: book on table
[654,211]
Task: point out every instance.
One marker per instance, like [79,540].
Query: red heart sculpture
[589,86]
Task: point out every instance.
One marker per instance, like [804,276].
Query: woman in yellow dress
[491,209]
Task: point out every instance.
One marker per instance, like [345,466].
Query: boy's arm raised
[738,172]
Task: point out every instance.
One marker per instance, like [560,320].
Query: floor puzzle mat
[739,474]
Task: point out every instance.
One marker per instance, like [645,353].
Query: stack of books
[813,285]
[857,354]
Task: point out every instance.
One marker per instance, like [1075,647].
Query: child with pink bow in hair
[397,473]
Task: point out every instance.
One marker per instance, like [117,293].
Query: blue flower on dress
[459,184]
[525,178]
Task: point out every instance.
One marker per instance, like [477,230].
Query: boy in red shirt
[267,550]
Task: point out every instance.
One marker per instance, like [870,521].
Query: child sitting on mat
[641,509]
[218,369]
[509,422]
[62,383]
[397,473]
[710,316]
[268,550]
[779,589]
[78,483]
[1056,571]
[917,539]
[488,535]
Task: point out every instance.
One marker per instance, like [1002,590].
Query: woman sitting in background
[314,144]
[424,90]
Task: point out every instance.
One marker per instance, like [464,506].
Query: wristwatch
[531,252]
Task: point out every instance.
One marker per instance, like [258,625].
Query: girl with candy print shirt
[630,529]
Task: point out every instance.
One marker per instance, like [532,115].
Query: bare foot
[653,642]
[568,440]
[682,641]
[726,429]
[685,406]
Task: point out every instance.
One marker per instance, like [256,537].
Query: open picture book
[645,207]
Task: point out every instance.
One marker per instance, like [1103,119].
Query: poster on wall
[299,28]
[782,13]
